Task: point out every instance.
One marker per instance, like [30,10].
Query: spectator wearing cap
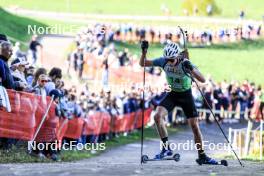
[39,89]
[56,99]
[6,77]
[57,96]
[38,72]
[48,150]
[19,66]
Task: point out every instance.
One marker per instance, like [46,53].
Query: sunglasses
[43,81]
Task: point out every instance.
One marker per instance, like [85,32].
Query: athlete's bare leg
[159,118]
[194,124]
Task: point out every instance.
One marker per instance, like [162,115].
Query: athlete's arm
[198,75]
[148,63]
[193,71]
[158,62]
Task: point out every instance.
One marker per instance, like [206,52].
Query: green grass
[232,62]
[254,8]
[132,7]
[16,26]
[146,22]
[19,155]
[237,61]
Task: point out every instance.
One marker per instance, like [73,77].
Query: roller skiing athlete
[176,64]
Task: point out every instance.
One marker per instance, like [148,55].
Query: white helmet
[171,50]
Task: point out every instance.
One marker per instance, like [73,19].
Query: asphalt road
[124,160]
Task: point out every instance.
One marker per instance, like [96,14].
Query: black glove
[187,65]
[144,45]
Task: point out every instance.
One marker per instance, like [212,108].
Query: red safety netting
[29,109]
[93,124]
[75,127]
[93,69]
[20,123]
[47,132]
[62,128]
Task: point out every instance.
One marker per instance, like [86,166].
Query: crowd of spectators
[17,74]
[198,37]
[231,97]
[99,43]
[100,40]
[232,101]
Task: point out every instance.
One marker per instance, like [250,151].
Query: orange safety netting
[29,109]
[20,123]
[93,69]
[75,127]
[93,124]
[48,130]
[61,129]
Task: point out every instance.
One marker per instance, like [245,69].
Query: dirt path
[124,160]
[55,50]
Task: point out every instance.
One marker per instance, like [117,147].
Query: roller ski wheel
[175,157]
[144,159]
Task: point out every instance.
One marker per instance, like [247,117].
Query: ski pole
[42,120]
[144,47]
[221,129]
[143,114]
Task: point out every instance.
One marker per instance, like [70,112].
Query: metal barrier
[248,141]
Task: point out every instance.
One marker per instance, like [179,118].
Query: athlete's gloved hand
[187,65]
[185,54]
[144,45]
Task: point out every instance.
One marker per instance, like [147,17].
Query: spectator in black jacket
[6,80]
[5,74]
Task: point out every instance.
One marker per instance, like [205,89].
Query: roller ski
[209,161]
[163,155]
